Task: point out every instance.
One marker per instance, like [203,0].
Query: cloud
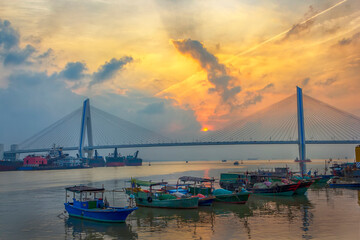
[216,72]
[153,108]
[327,82]
[74,71]
[46,54]
[172,11]
[18,56]
[10,50]
[255,97]
[27,78]
[346,41]
[109,69]
[303,27]
[298,30]
[305,81]
[9,37]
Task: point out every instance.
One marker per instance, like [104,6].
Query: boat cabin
[237,180]
[153,189]
[86,197]
[197,185]
[35,160]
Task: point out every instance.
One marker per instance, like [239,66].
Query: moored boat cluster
[188,193]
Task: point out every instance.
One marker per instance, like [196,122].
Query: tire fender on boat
[149,199]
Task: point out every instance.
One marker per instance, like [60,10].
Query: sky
[178,68]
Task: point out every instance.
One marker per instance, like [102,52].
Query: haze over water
[32,206]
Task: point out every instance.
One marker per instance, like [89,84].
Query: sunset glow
[185,66]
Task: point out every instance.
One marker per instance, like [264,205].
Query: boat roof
[80,189]
[195,179]
[147,183]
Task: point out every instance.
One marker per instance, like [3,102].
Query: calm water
[31,207]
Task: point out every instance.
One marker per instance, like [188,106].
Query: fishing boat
[90,205]
[274,188]
[198,188]
[257,183]
[208,192]
[115,159]
[303,187]
[324,178]
[337,182]
[226,196]
[158,198]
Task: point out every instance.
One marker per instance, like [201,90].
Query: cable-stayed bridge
[298,119]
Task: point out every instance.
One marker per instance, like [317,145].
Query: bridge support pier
[301,131]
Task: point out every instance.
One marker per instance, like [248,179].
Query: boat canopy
[195,179]
[146,183]
[80,189]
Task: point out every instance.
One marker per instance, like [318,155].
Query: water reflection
[76,228]
[304,217]
[292,208]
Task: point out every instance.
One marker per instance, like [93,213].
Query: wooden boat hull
[344,185]
[281,190]
[207,201]
[302,189]
[181,203]
[325,178]
[113,215]
[317,179]
[234,198]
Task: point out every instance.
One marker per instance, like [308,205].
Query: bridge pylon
[301,131]
[86,126]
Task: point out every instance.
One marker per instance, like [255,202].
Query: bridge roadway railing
[184,144]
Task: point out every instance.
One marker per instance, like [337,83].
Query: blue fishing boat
[90,205]
[337,182]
